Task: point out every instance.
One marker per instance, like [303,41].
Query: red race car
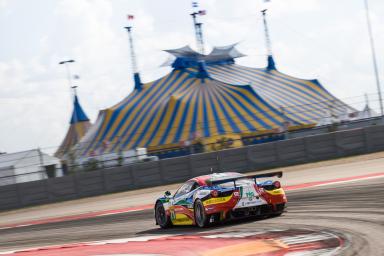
[221,196]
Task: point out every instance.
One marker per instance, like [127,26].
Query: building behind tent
[28,166]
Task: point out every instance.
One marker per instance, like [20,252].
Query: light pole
[74,114]
[66,64]
[374,56]
[69,77]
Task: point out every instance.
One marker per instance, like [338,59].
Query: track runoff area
[334,208]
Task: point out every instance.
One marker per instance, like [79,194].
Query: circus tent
[209,95]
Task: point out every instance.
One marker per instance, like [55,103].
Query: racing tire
[161,217]
[201,218]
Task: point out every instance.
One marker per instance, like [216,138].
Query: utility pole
[374,56]
[198,28]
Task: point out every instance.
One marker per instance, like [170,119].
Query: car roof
[202,180]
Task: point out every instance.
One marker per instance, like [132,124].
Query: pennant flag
[130,17]
[76,77]
[202,12]
[195,4]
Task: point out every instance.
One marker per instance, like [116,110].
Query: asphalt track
[354,211]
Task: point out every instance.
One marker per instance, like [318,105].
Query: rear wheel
[161,217]
[201,218]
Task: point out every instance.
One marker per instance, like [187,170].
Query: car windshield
[187,187]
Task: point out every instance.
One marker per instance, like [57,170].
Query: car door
[182,194]
[182,210]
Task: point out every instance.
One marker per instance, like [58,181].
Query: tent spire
[198,27]
[79,125]
[136,75]
[78,114]
[271,62]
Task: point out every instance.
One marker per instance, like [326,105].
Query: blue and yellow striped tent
[208,95]
[305,101]
[79,125]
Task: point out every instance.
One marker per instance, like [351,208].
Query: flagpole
[375,68]
[198,28]
[132,50]
[136,75]
[266,33]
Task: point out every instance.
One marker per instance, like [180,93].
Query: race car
[219,197]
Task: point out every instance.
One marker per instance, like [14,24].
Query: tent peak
[78,114]
[185,57]
[271,63]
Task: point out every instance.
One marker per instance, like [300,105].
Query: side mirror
[167,193]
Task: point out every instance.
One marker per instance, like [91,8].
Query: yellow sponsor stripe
[182,219]
[279,191]
[217,200]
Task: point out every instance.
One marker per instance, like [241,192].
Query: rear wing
[253,177]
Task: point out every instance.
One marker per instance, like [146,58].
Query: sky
[323,39]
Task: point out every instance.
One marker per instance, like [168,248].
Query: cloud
[3,4]
[309,39]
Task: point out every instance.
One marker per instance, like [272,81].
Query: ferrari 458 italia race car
[221,196]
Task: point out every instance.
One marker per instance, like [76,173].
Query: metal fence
[167,171]
[7,176]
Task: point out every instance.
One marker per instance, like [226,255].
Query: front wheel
[201,218]
[161,216]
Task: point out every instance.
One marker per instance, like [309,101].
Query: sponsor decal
[250,195]
[275,191]
[217,200]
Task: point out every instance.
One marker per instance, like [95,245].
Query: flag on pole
[130,17]
[195,4]
[202,12]
[76,77]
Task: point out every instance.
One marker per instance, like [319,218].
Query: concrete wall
[250,158]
